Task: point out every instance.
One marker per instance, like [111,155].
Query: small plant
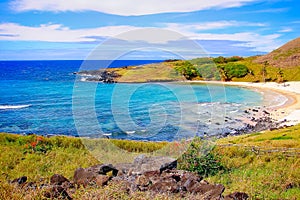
[200,158]
[38,145]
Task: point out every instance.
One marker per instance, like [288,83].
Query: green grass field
[253,165]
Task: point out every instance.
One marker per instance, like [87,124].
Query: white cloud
[285,30]
[271,10]
[59,33]
[126,7]
[210,25]
[260,43]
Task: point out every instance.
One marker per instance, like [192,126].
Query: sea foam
[8,107]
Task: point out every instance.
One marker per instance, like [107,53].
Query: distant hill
[287,56]
[282,64]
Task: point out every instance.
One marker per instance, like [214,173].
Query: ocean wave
[7,107]
[130,132]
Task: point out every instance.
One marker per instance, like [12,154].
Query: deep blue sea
[45,97]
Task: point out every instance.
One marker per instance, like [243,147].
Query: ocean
[47,98]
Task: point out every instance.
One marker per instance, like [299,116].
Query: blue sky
[144,29]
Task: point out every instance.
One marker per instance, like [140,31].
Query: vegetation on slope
[259,164]
[287,56]
[282,64]
[220,68]
[187,69]
[266,165]
[147,73]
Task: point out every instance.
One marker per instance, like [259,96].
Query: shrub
[233,70]
[236,70]
[234,59]
[209,72]
[188,70]
[200,158]
[220,60]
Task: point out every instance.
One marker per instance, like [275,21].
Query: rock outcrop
[99,76]
[157,175]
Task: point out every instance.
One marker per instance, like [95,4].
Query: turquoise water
[45,97]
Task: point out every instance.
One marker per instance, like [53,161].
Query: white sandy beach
[288,110]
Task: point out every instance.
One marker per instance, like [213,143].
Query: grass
[263,175]
[152,72]
[284,138]
[289,74]
[66,155]
[165,71]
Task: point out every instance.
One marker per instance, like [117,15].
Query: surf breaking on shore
[282,101]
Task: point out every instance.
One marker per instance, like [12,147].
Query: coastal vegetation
[281,65]
[187,69]
[219,69]
[264,165]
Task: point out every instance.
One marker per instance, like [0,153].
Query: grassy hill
[282,64]
[284,60]
[287,56]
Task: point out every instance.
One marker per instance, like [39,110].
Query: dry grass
[152,72]
[262,175]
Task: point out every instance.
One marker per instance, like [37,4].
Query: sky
[144,29]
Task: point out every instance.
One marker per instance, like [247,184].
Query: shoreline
[288,110]
[286,113]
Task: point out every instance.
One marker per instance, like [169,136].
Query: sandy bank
[288,109]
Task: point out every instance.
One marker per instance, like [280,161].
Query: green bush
[236,70]
[234,59]
[209,72]
[200,158]
[232,70]
[188,70]
[222,60]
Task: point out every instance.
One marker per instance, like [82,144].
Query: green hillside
[282,64]
[287,56]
